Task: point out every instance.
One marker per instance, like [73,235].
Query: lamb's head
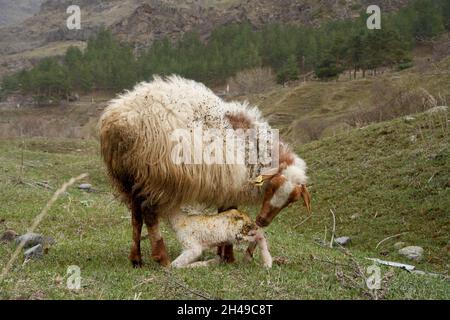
[282,187]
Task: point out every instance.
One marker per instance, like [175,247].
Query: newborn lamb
[199,232]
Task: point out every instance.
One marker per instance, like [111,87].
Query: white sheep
[199,232]
[135,136]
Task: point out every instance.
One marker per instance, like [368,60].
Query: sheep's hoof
[163,261]
[248,258]
[159,253]
[137,264]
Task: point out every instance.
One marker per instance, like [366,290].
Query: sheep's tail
[115,142]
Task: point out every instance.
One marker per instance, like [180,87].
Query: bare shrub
[441,48]
[36,126]
[255,80]
[308,130]
[335,129]
[390,101]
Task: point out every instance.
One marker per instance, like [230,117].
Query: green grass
[394,184]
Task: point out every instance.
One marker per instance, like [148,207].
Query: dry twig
[333,233]
[38,220]
[390,237]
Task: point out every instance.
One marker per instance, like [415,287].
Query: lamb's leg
[187,257]
[250,251]
[136,221]
[257,238]
[159,252]
[225,251]
[265,254]
[206,263]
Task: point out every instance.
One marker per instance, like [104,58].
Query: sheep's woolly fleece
[135,134]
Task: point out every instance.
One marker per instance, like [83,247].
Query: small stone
[423,273]
[38,295]
[412,252]
[59,279]
[355,216]
[8,236]
[30,240]
[399,245]
[85,186]
[419,272]
[413,138]
[343,240]
[409,119]
[437,109]
[36,252]
[33,239]
[280,260]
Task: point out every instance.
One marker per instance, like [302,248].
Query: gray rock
[437,109]
[409,118]
[33,239]
[36,252]
[412,252]
[423,273]
[355,216]
[343,240]
[85,186]
[399,245]
[30,240]
[8,236]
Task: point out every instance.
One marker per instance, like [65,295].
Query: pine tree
[289,71]
[429,19]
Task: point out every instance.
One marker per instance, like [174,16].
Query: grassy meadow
[381,180]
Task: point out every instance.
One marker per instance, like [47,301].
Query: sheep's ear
[306,198]
[265,175]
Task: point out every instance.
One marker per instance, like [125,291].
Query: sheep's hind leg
[136,221]
[159,252]
[187,258]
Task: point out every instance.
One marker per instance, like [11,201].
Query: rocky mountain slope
[13,11]
[142,21]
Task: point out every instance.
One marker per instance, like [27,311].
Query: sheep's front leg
[159,252]
[187,257]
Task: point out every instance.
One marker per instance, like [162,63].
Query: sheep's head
[283,186]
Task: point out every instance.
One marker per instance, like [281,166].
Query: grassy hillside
[394,175]
[303,112]
[313,109]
